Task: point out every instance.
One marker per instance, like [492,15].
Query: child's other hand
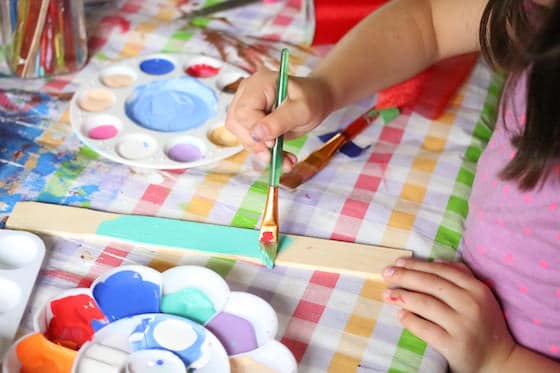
[455,313]
[250,118]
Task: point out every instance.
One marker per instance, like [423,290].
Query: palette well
[21,255]
[163,111]
[136,319]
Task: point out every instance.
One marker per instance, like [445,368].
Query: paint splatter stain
[537,321]
[553,206]
[508,258]
[267,237]
[554,349]
[523,289]
[202,70]
[481,250]
[527,231]
[543,264]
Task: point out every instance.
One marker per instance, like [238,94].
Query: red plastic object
[334,18]
[429,92]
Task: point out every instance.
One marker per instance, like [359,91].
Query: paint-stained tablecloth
[406,187]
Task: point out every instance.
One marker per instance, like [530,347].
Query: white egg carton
[21,256]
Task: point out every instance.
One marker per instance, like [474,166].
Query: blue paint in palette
[157,66]
[172,105]
[183,337]
[125,294]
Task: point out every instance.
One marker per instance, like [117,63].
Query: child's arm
[392,44]
[396,42]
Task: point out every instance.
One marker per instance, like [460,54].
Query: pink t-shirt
[512,238]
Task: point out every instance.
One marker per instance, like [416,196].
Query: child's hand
[251,120]
[455,313]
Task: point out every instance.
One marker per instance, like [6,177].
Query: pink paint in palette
[164,111]
[136,319]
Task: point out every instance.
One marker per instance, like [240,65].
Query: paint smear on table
[208,238]
[125,293]
[38,354]
[190,303]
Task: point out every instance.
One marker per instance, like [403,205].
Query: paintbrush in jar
[269,232]
[319,158]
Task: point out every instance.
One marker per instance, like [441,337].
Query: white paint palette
[164,111]
[21,256]
[136,319]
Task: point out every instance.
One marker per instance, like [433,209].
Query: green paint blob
[216,239]
[190,303]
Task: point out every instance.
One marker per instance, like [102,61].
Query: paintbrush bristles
[269,235]
[313,163]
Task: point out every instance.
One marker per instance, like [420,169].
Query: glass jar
[43,37]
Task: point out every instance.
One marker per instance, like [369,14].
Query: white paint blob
[174,335]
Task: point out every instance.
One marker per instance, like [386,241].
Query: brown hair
[517,35]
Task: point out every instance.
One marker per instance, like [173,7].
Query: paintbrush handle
[281,94]
[359,124]
[220,7]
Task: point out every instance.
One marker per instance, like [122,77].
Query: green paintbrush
[269,233]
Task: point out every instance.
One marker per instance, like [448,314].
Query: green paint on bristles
[266,257]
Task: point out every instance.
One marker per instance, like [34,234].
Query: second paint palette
[164,111]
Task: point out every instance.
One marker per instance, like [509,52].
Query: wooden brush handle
[359,124]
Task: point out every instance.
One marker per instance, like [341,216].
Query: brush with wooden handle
[318,159]
[269,232]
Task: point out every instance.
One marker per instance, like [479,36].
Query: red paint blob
[267,237]
[202,70]
[103,132]
[71,325]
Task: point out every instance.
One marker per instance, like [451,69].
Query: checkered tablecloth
[407,188]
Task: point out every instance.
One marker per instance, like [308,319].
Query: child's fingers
[423,305]
[288,162]
[262,160]
[290,114]
[428,283]
[458,273]
[431,333]
[249,105]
